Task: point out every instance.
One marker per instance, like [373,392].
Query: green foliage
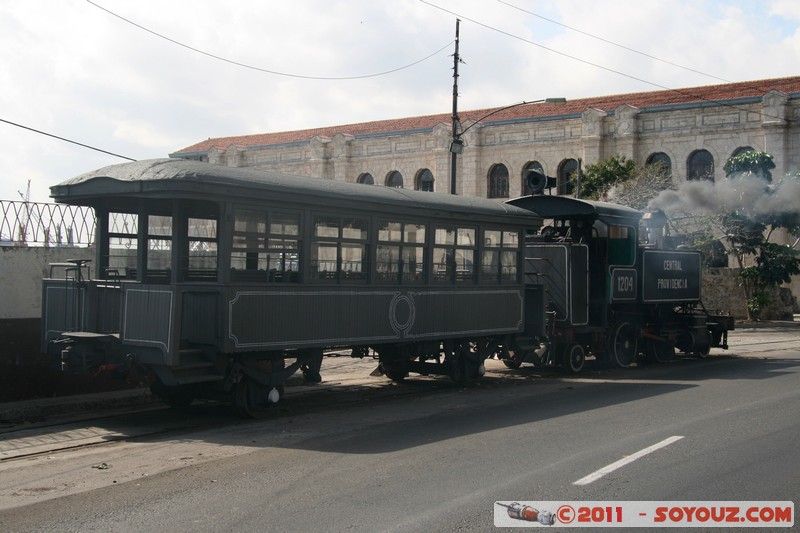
[750,163]
[601,176]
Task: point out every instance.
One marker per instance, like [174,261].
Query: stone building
[693,131]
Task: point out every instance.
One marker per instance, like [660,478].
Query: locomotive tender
[223,282]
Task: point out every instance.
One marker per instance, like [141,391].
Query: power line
[614,44]
[608,69]
[65,140]
[268,71]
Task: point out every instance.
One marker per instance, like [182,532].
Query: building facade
[691,131]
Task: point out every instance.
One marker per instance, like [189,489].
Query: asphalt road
[439,459]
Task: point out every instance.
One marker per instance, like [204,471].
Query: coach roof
[178,178]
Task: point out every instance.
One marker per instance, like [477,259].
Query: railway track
[346,381]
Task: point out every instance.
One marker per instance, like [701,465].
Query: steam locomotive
[223,282]
[613,288]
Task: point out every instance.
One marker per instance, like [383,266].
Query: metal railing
[42,224]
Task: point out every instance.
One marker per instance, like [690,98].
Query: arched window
[366,179]
[663,160]
[533,165]
[394,179]
[700,166]
[424,180]
[498,181]
[566,172]
[741,150]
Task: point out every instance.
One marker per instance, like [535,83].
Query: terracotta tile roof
[709,93]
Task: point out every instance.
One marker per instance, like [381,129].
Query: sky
[144,79]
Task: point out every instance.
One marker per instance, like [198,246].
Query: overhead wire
[265,70]
[622,46]
[684,92]
[607,41]
[66,140]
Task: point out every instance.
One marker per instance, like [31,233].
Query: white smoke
[751,196]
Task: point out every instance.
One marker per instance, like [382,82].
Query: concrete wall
[22,269]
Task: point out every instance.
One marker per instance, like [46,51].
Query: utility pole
[455,142]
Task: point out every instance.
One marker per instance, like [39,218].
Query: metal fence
[40,224]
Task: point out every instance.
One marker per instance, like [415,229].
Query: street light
[457,143]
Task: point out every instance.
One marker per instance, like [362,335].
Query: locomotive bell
[655,222]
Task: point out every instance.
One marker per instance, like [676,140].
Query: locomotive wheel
[661,352]
[253,400]
[623,344]
[574,358]
[512,363]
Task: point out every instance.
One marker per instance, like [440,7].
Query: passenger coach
[226,281]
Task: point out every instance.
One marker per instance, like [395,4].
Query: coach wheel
[254,400]
[178,397]
[465,364]
[394,370]
[660,351]
[623,344]
[574,358]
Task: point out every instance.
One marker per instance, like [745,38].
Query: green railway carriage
[226,281]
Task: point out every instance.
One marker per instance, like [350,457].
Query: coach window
[249,253]
[123,229]
[454,255]
[159,249]
[400,254]
[283,247]
[202,261]
[339,250]
[500,256]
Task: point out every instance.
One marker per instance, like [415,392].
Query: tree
[750,163]
[645,184]
[750,227]
[599,177]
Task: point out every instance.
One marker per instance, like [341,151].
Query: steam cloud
[749,195]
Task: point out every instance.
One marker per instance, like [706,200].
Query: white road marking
[594,476]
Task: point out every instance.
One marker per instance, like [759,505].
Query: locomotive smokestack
[655,221]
